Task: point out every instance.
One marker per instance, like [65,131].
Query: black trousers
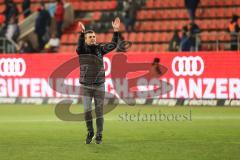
[96,92]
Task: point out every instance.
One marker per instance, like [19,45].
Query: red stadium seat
[156,37]
[108,37]
[140,37]
[132,37]
[96,16]
[141,15]
[204,36]
[149,14]
[64,38]
[156,26]
[125,35]
[150,4]
[2,8]
[100,37]
[148,37]
[156,47]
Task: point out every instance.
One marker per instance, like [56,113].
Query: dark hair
[42,4]
[156,61]
[89,31]
[234,18]
[185,28]
[175,33]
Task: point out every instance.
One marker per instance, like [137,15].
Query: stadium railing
[7,45]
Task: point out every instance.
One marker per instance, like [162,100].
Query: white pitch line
[118,119]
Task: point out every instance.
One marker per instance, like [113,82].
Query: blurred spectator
[191,6]
[53,44]
[14,11]
[1,20]
[155,69]
[26,8]
[127,5]
[130,10]
[2,43]
[25,47]
[190,40]
[59,17]
[175,42]
[42,25]
[233,28]
[194,31]
[6,12]
[51,9]
[185,44]
[119,4]
[129,20]
[194,28]
[13,30]
[10,11]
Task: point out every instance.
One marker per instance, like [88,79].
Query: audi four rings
[12,67]
[187,66]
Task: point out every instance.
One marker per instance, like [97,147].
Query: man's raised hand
[81,27]
[116,24]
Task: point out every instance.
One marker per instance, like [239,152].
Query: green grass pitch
[29,132]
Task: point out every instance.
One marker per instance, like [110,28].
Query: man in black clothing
[42,24]
[92,76]
[26,8]
[234,28]
[191,6]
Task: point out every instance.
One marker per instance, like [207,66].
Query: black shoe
[98,139]
[89,138]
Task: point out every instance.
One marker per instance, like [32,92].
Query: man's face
[90,39]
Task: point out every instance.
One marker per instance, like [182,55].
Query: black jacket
[43,21]
[91,59]
[191,4]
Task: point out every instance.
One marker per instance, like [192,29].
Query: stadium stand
[34,6]
[156,21]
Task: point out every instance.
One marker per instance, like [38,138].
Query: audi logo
[12,67]
[187,66]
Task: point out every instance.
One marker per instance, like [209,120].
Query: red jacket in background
[59,13]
